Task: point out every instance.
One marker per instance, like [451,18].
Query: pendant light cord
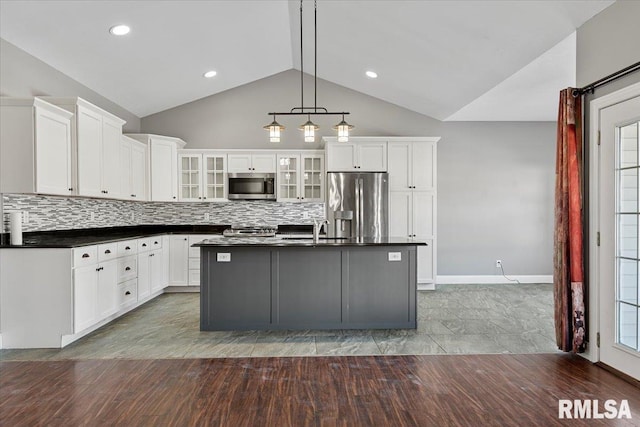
[315,53]
[301,61]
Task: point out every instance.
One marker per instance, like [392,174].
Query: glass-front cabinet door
[312,175]
[288,177]
[214,176]
[190,177]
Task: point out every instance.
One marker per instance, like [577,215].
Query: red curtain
[568,262]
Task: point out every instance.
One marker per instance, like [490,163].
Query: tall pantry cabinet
[413,198]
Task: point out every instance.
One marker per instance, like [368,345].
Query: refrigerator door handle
[361,212]
[357,197]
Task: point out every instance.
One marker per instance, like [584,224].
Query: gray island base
[346,285]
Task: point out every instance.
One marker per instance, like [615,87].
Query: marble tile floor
[454,319]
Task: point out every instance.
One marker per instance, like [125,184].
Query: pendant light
[309,127]
[274,129]
[343,130]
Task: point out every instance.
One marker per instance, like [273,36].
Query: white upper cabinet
[412,165]
[97,139]
[163,165]
[35,147]
[358,155]
[133,170]
[300,176]
[202,176]
[251,162]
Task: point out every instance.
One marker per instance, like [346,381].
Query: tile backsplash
[47,213]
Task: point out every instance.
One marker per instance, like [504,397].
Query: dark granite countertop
[93,236]
[309,242]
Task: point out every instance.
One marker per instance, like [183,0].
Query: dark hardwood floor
[464,390]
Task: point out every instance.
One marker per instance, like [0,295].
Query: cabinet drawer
[127,293]
[194,264]
[144,245]
[127,268]
[194,277]
[86,255]
[127,247]
[156,242]
[107,251]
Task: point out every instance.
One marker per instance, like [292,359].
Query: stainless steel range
[251,231]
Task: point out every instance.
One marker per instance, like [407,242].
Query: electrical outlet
[133,216]
[305,215]
[92,216]
[25,217]
[206,216]
[498,263]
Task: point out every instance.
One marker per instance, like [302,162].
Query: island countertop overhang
[305,242]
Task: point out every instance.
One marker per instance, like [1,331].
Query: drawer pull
[107,252]
[127,269]
[128,293]
[144,245]
[127,248]
[155,243]
[85,255]
[151,254]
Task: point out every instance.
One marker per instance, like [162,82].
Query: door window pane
[627,236]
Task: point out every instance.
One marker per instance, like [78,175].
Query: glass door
[287,181]
[312,178]
[215,176]
[619,257]
[190,177]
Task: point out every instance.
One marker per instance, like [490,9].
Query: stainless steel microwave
[252,186]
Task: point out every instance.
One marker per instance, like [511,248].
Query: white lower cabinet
[156,271]
[107,288]
[144,275]
[85,297]
[179,260]
[194,257]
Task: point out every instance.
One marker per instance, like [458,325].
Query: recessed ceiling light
[119,30]
[372,74]
[210,74]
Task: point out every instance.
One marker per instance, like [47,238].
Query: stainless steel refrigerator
[358,204]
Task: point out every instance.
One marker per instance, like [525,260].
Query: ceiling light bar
[309,127]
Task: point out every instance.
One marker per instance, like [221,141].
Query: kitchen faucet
[317,228]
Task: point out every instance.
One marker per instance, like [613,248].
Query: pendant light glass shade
[343,130]
[274,129]
[309,129]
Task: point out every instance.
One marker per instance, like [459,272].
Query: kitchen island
[280,283]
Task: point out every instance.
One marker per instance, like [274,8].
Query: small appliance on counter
[251,231]
[252,186]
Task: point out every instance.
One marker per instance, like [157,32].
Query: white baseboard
[426,286]
[178,289]
[489,279]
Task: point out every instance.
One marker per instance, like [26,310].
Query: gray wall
[495,180]
[23,75]
[607,43]
[234,118]
[495,197]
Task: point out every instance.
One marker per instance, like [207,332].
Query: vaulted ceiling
[455,60]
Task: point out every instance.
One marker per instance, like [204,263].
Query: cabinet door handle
[107,252]
[70,189]
[151,254]
[127,293]
[174,197]
[127,268]
[185,238]
[85,255]
[133,195]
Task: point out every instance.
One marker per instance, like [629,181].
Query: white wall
[23,75]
